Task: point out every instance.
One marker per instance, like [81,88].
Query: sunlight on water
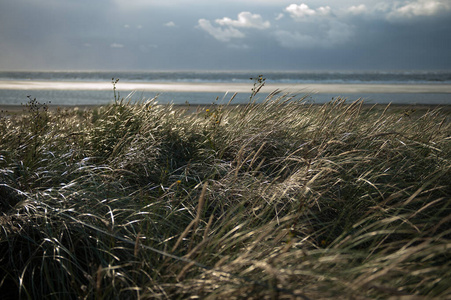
[79,88]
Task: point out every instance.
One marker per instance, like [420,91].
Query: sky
[225,35]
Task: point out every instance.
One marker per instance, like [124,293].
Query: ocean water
[80,96]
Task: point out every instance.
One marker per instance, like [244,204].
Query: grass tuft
[274,200]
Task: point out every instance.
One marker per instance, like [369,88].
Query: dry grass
[279,200]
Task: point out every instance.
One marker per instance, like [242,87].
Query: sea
[66,94]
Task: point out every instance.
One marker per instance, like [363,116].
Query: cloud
[227,29]
[238,47]
[331,34]
[147,48]
[289,39]
[357,9]
[221,34]
[279,16]
[420,8]
[335,33]
[170,24]
[323,11]
[127,26]
[320,28]
[245,20]
[299,12]
[116,45]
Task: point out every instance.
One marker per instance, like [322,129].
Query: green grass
[264,201]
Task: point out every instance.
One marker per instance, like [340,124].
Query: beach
[77,88]
[224,87]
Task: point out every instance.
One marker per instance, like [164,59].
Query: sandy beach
[224,87]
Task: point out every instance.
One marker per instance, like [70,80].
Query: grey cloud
[238,46]
[227,29]
[349,34]
[419,8]
[117,45]
[394,11]
[221,34]
[279,16]
[326,36]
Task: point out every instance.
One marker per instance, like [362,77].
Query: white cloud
[245,20]
[116,45]
[302,11]
[299,10]
[420,8]
[170,24]
[221,34]
[227,29]
[320,28]
[323,11]
[358,9]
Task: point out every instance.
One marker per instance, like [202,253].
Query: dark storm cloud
[139,34]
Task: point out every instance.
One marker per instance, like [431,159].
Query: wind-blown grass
[273,200]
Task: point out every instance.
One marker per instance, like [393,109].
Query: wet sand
[225,87]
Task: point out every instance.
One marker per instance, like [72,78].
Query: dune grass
[278,200]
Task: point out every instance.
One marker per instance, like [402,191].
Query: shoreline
[226,87]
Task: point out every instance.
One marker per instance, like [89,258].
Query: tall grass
[264,201]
